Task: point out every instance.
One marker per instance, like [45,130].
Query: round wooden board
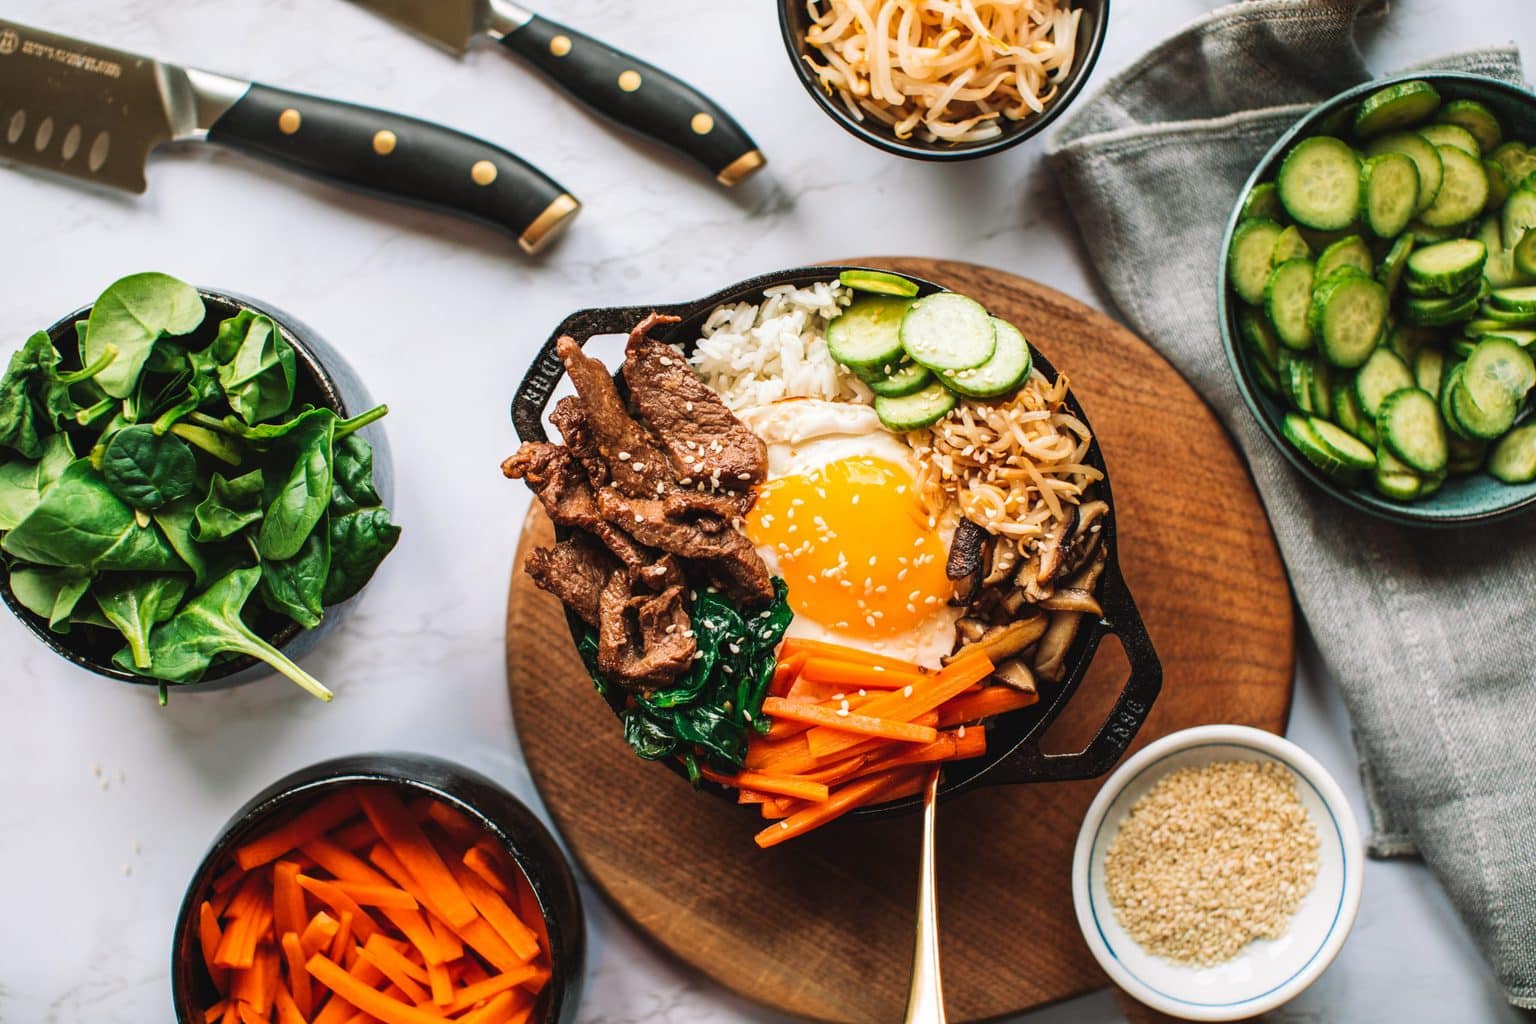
[821,928]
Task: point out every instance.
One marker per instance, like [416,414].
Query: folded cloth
[1431,635]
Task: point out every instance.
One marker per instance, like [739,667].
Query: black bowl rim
[1403,514]
[324,382]
[958,777]
[1077,79]
[402,770]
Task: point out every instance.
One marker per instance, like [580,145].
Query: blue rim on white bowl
[1267,973]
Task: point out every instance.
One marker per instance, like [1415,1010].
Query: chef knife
[96,113]
[611,83]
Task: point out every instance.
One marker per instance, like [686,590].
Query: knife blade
[96,113]
[621,88]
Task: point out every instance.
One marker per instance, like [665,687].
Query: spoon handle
[925,1000]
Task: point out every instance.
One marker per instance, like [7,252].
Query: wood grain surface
[821,928]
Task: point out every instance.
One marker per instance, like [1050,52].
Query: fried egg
[839,518]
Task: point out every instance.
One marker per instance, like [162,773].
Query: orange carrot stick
[312,822]
[343,940]
[852,675]
[481,863]
[348,868]
[382,896]
[248,1015]
[472,994]
[762,782]
[495,912]
[398,962]
[298,980]
[343,905]
[338,1009]
[847,722]
[231,1013]
[405,839]
[317,935]
[453,821]
[288,910]
[441,983]
[795,645]
[784,674]
[208,938]
[362,996]
[844,800]
[497,1011]
[215,1011]
[905,705]
[394,969]
[992,700]
[238,948]
[288,1011]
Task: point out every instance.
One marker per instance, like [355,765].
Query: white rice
[755,355]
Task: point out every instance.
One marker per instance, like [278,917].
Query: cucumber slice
[1255,330]
[867,335]
[1391,186]
[1445,268]
[1424,156]
[1463,190]
[1347,316]
[1287,297]
[946,331]
[1290,246]
[1383,373]
[1298,375]
[1438,312]
[1476,119]
[902,380]
[1517,160]
[1452,135]
[1342,445]
[1525,339]
[1349,251]
[1524,254]
[1406,340]
[1263,201]
[1504,317]
[1249,260]
[878,282]
[920,409]
[1297,429]
[1000,375]
[1390,273]
[1514,300]
[1426,235]
[1467,457]
[1396,106]
[1319,183]
[1461,348]
[1475,419]
[1348,414]
[1499,185]
[1518,216]
[1513,459]
[1429,370]
[1450,386]
[1268,379]
[1322,388]
[1394,479]
[1496,364]
[1412,430]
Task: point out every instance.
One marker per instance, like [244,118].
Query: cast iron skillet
[503,817]
[1014,753]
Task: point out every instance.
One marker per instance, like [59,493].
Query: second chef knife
[623,89]
[95,113]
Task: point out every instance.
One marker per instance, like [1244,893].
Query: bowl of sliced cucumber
[1378,298]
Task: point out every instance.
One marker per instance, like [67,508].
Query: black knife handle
[640,97]
[397,157]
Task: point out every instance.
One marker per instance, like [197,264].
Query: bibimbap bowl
[1013,752]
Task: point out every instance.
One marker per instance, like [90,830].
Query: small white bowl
[1267,973]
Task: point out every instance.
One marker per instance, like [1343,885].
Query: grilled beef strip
[708,446]
[707,540]
[635,461]
[575,570]
[570,418]
[643,640]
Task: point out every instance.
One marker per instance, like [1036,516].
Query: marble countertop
[109,801]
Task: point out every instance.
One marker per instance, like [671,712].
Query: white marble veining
[108,801]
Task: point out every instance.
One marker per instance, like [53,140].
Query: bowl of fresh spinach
[193,487]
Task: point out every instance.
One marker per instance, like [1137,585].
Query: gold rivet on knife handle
[288,121]
[384,142]
[560,45]
[702,124]
[741,168]
[483,173]
[629,81]
[548,224]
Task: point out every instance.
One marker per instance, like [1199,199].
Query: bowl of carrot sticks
[390,888]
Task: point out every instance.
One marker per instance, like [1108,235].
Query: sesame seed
[623,456]
[906,691]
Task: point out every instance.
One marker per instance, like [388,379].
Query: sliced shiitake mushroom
[1002,642]
[1051,655]
[1004,558]
[970,629]
[969,553]
[1070,599]
[1016,674]
[1055,547]
[1084,543]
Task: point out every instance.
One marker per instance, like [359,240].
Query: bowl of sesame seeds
[1217,873]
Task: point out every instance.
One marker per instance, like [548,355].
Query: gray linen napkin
[1431,634]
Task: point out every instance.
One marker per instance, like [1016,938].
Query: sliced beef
[704,440]
[636,463]
[688,504]
[644,640]
[575,570]
[707,540]
[570,418]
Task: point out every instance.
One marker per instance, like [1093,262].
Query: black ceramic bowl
[795,19]
[325,380]
[1014,753]
[502,816]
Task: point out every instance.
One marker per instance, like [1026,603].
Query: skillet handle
[1029,764]
[538,387]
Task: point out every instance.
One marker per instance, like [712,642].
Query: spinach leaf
[80,523]
[207,561]
[131,316]
[22,482]
[295,586]
[148,470]
[713,729]
[353,464]
[231,506]
[259,379]
[225,449]
[301,500]
[651,736]
[136,604]
[50,593]
[210,625]
[359,541]
[24,419]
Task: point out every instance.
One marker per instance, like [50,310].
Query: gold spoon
[925,999]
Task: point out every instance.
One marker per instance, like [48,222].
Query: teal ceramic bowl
[1463,500]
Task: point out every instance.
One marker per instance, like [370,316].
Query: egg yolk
[855,546]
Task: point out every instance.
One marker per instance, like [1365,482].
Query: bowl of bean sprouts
[943,79]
